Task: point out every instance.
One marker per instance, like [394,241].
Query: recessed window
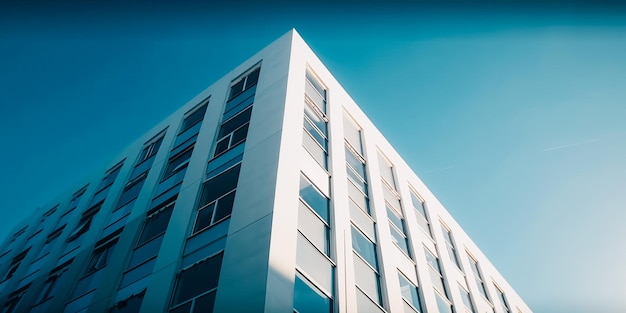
[308,298]
[130,305]
[314,198]
[447,235]
[150,149]
[233,131]
[409,293]
[245,83]
[217,199]
[364,247]
[110,176]
[198,280]
[156,224]
[467,300]
[195,116]
[422,217]
[178,162]
[503,302]
[478,276]
[100,258]
[83,224]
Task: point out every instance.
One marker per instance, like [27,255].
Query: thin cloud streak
[570,145]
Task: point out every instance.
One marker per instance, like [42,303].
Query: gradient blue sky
[515,117]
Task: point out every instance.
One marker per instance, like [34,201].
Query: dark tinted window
[220,185]
[235,122]
[193,118]
[156,224]
[198,279]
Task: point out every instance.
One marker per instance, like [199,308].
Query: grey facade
[270,191]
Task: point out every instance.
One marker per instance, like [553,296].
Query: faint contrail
[570,145]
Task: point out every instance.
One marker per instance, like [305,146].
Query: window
[386,171]
[15,264]
[245,83]
[49,244]
[364,247]
[308,298]
[315,133]
[178,162]
[436,275]
[13,300]
[217,198]
[131,191]
[478,277]
[422,217]
[51,285]
[450,245]
[233,131]
[195,116]
[443,305]
[502,298]
[76,198]
[314,198]
[150,149]
[83,224]
[197,281]
[398,233]
[100,257]
[315,92]
[130,305]
[467,300]
[352,133]
[156,223]
[110,176]
[314,228]
[409,293]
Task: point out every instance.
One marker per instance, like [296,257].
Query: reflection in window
[409,293]
[309,299]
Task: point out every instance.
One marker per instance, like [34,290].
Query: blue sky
[514,117]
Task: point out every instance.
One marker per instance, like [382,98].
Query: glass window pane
[309,299]
[316,119]
[253,78]
[313,263]
[313,228]
[367,279]
[312,197]
[358,197]
[240,135]
[235,122]
[352,133]
[316,151]
[220,185]
[131,305]
[409,292]
[205,303]
[204,218]
[363,220]
[156,225]
[224,206]
[364,304]
[442,304]
[418,205]
[364,247]
[236,88]
[355,163]
[198,279]
[193,118]
[395,219]
[399,240]
[321,140]
[174,164]
[437,281]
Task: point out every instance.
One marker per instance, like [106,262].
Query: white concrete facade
[280,235]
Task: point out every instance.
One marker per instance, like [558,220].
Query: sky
[513,115]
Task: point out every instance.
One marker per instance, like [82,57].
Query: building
[270,191]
